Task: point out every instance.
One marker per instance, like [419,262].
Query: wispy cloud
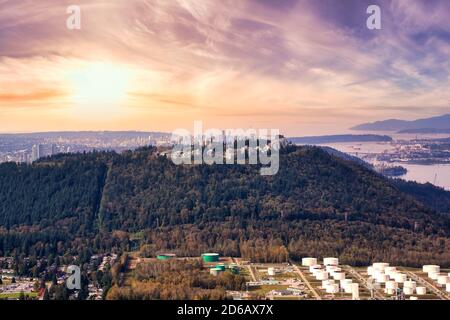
[296,60]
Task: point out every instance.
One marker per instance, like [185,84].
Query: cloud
[30,97]
[226,58]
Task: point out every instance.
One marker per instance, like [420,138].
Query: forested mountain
[430,195]
[318,204]
[439,122]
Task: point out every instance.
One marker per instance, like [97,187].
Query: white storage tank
[331,261]
[271,271]
[314,268]
[400,277]
[431,268]
[346,285]
[443,279]
[389,291]
[421,291]
[433,275]
[336,270]
[376,273]
[388,270]
[447,287]
[307,262]
[332,288]
[339,275]
[391,285]
[331,268]
[382,278]
[355,291]
[322,275]
[326,283]
[410,284]
[380,265]
[408,291]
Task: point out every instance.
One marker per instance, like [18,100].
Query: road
[250,269]
[302,276]
[431,287]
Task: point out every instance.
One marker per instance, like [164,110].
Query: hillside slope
[317,204]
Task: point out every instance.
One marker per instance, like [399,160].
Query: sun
[99,84]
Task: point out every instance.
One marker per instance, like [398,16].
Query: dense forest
[318,204]
[176,280]
[433,197]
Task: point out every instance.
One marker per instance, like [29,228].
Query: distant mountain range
[428,125]
[339,138]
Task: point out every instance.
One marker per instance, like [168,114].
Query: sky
[302,66]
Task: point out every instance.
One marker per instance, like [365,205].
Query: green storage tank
[210,257]
[221,267]
[165,256]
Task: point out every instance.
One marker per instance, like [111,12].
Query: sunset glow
[161,65]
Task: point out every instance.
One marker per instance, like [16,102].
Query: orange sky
[158,65]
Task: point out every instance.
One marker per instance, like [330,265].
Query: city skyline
[304,67]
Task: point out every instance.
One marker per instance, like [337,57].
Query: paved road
[252,273]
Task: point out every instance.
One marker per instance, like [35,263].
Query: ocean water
[437,174]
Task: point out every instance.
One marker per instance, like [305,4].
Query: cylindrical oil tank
[391,285]
[382,278]
[221,267]
[307,262]
[314,268]
[331,261]
[322,275]
[433,275]
[331,268]
[410,284]
[325,283]
[421,291]
[165,256]
[400,277]
[339,275]
[393,274]
[443,279]
[332,272]
[348,289]
[346,285]
[210,257]
[390,291]
[332,288]
[355,291]
[376,273]
[408,291]
[431,268]
[380,265]
[388,270]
